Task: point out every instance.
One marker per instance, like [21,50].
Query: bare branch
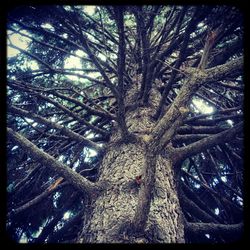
[210,41]
[37,199]
[232,232]
[62,129]
[199,146]
[197,78]
[72,177]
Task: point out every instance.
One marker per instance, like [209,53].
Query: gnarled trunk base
[114,209]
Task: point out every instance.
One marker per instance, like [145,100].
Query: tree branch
[94,59]
[196,210]
[119,17]
[74,115]
[234,206]
[198,130]
[71,176]
[102,113]
[37,199]
[233,232]
[178,110]
[193,196]
[223,70]
[210,41]
[62,129]
[182,55]
[199,146]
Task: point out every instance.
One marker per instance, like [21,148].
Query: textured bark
[113,215]
[114,209]
[231,232]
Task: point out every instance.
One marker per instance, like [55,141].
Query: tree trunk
[112,213]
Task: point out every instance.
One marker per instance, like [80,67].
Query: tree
[125,124]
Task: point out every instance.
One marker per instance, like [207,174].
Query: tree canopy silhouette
[125,124]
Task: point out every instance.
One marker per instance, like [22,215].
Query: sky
[202,106]
[23,43]
[18,41]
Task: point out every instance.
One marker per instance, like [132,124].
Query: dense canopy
[68,74]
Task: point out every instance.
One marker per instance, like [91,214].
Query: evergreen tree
[125,124]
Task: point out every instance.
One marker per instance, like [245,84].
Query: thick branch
[72,177]
[199,146]
[197,78]
[188,138]
[233,232]
[221,71]
[199,130]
